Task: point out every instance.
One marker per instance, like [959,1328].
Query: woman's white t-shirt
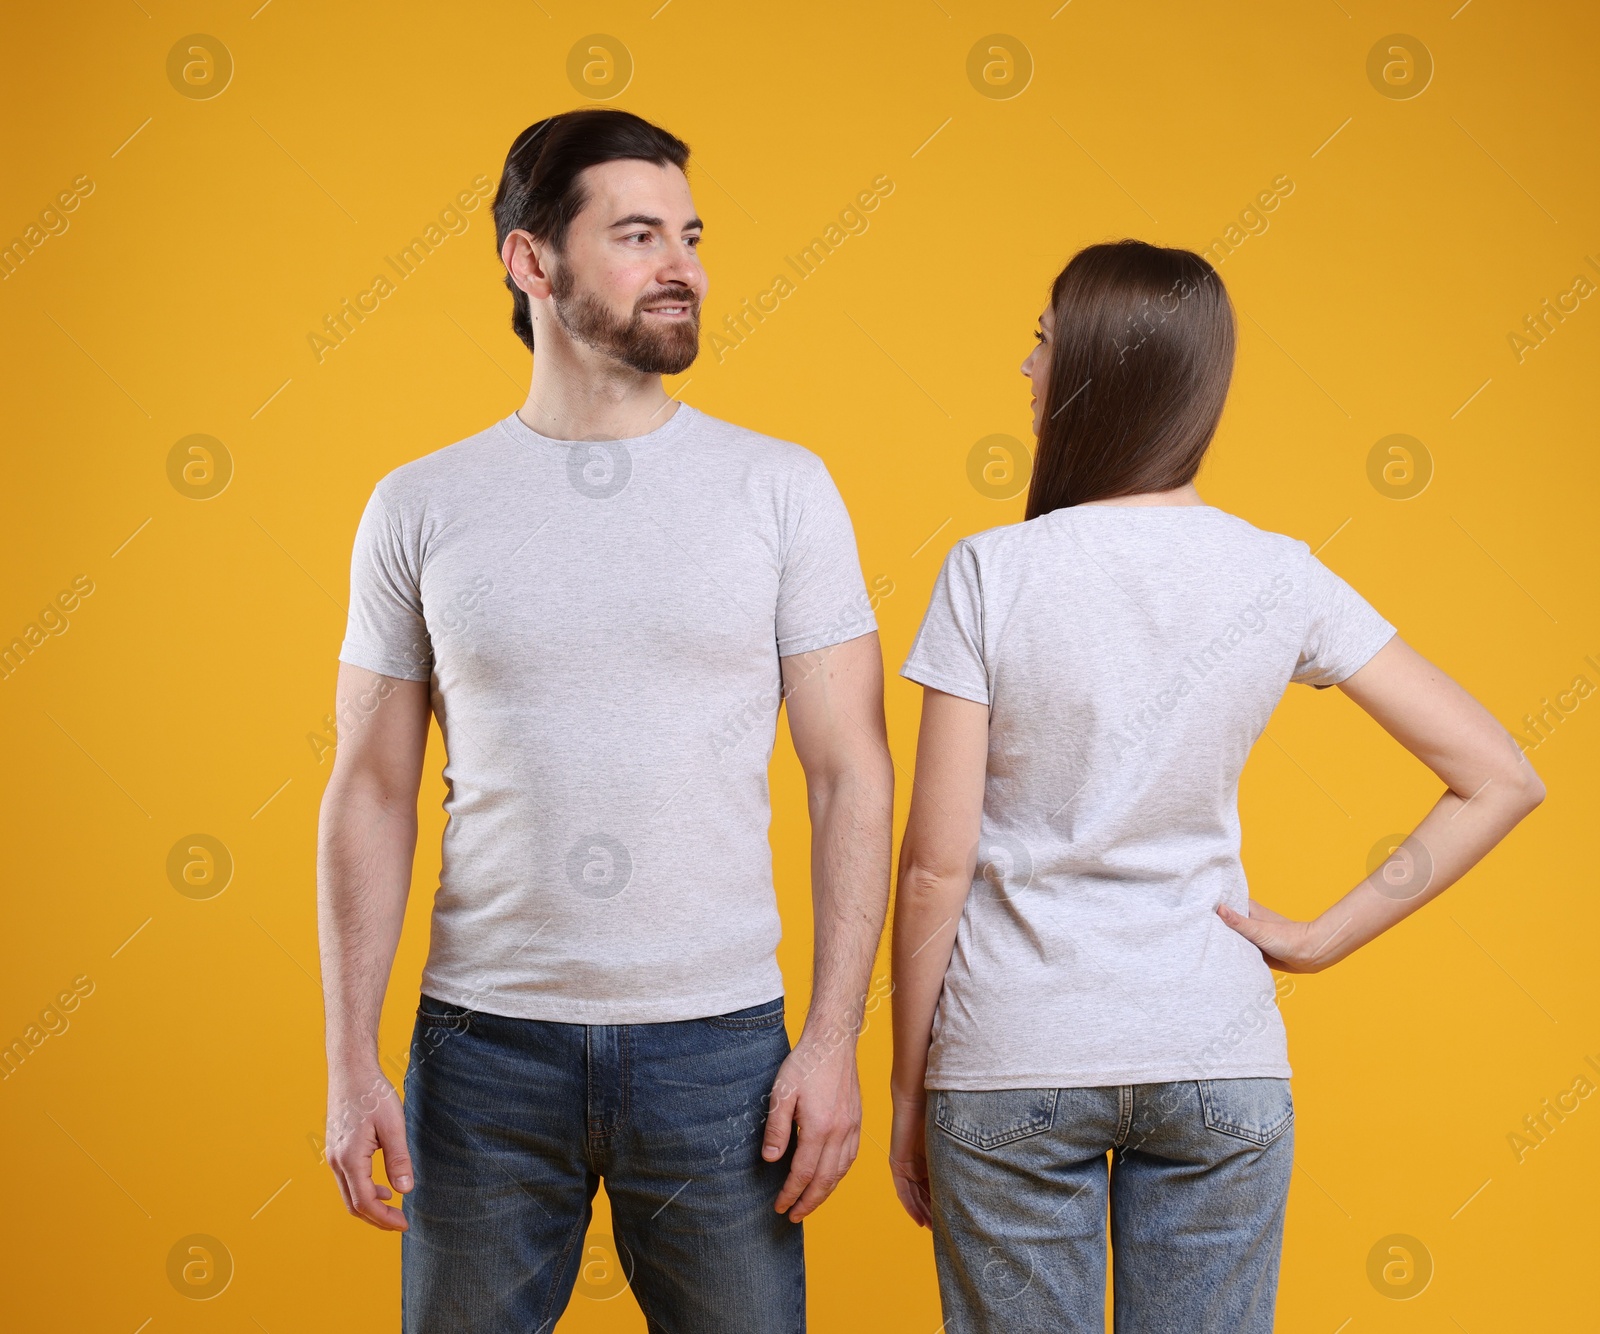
[1130,655]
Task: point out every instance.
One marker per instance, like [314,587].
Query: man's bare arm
[365,842]
[835,702]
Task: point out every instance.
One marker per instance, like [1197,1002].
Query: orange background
[186,1094]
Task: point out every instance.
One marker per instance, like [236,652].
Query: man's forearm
[850,845]
[364,853]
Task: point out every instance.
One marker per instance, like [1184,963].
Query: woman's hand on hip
[1288,946]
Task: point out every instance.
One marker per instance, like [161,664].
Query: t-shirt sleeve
[1342,630]
[822,598]
[947,653]
[386,632]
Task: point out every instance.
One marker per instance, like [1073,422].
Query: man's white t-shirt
[1130,656]
[601,624]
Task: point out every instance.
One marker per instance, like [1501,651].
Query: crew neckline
[674,426]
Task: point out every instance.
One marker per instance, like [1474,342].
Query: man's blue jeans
[1197,1183]
[513,1123]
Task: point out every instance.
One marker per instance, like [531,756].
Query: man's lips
[675,311]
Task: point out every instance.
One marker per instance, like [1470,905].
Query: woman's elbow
[1524,786]
[931,882]
[1532,787]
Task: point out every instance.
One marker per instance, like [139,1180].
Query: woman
[1078,967]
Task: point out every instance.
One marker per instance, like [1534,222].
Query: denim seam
[800,1294]
[1251,1133]
[624,1041]
[755,1021]
[1124,1114]
[736,1020]
[589,1138]
[579,1229]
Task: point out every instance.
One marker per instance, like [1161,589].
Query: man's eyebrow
[641,220]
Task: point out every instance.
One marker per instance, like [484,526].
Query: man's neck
[576,398]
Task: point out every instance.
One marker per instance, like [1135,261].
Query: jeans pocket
[442,1016]
[768,1014]
[993,1117]
[1258,1110]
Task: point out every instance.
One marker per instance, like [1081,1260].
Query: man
[601,598]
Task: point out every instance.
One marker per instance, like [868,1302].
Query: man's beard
[663,350]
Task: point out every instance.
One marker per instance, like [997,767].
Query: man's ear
[527,260]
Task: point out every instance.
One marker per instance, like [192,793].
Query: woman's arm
[1489,784]
[937,859]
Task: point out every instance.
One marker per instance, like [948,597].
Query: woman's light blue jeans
[1195,1191]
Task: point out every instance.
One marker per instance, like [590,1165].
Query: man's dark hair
[540,191]
[1140,361]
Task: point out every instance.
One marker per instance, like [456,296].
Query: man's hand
[1287,945]
[364,1117]
[818,1094]
[908,1157]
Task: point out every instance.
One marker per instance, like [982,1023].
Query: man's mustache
[669,296]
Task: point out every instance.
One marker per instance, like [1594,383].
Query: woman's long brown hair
[1140,361]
